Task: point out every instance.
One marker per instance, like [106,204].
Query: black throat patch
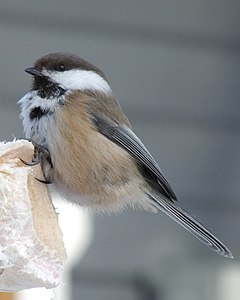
[47,89]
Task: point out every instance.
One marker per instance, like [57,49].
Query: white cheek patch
[79,80]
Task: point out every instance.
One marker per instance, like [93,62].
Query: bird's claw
[39,151]
[44,181]
[41,155]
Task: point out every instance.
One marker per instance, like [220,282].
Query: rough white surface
[26,261]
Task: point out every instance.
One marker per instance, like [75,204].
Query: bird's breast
[87,162]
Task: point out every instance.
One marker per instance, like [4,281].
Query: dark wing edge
[126,138]
[188,222]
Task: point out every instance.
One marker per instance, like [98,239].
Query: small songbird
[87,148]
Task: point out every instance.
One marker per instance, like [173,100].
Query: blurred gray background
[175,68]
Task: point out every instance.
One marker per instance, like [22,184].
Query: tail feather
[191,224]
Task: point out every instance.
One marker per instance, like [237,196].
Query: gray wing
[124,137]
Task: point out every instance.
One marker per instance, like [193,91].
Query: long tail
[191,224]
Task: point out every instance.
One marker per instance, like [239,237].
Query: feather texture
[187,221]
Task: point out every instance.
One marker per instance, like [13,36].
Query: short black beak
[34,72]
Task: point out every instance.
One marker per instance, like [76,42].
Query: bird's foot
[41,155]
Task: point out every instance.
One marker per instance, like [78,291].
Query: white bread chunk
[32,252]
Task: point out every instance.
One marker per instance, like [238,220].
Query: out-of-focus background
[175,68]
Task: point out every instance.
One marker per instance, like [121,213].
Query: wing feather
[126,138]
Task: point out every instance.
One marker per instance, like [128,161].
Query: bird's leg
[41,155]
[47,167]
[39,152]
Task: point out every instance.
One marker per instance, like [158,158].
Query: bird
[87,148]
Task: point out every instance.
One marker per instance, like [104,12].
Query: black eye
[61,68]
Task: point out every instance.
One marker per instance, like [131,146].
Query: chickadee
[87,148]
